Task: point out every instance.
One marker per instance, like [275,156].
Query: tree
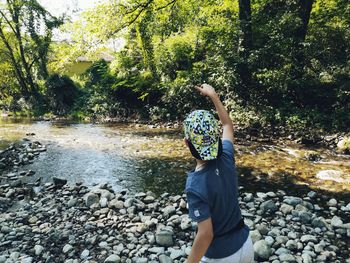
[26,30]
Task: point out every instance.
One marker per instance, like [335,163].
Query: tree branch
[165,6]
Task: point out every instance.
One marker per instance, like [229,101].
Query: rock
[319,222]
[291,245]
[156,250]
[343,145]
[169,210]
[84,254]
[59,182]
[164,238]
[148,199]
[38,250]
[262,250]
[332,175]
[128,202]
[27,260]
[72,202]
[185,223]
[287,258]
[332,202]
[286,209]
[308,238]
[141,260]
[336,221]
[32,220]
[268,206]
[67,248]
[281,251]
[165,259]
[306,258]
[103,202]
[91,199]
[115,203]
[269,240]
[311,194]
[112,259]
[255,235]
[292,200]
[262,228]
[177,254]
[305,217]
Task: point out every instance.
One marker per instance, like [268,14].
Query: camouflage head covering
[202,130]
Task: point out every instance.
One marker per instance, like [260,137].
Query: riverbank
[63,222]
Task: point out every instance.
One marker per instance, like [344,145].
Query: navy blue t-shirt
[215,195]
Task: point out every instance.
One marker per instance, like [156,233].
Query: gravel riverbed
[61,222]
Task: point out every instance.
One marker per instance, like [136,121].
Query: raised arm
[207,90]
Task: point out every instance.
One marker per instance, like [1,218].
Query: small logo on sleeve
[196,213]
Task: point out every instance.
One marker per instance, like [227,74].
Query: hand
[206,90]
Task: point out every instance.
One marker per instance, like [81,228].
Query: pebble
[112,259]
[99,225]
[84,254]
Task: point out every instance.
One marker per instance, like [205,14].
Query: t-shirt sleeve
[199,210]
[227,148]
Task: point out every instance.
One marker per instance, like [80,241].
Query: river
[141,158]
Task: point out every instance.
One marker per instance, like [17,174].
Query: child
[211,188]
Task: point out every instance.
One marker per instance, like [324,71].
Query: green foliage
[294,73]
[61,94]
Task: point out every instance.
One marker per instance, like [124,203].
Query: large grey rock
[262,250]
[164,238]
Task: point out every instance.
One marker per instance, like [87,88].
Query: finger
[198,88]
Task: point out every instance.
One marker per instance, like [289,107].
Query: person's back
[212,191]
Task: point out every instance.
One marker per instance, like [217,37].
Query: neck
[200,164]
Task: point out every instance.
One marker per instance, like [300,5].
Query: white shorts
[244,255]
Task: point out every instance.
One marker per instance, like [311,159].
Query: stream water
[141,158]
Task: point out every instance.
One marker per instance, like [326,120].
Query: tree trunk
[16,66]
[146,43]
[303,12]
[245,47]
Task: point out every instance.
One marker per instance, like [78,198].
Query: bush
[61,94]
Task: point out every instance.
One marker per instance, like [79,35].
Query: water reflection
[140,159]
